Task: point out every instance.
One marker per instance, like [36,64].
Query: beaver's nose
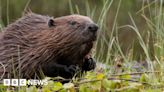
[93,27]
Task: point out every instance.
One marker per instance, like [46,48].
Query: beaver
[37,45]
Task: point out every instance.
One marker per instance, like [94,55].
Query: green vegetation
[131,35]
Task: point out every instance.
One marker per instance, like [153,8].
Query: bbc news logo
[23,82]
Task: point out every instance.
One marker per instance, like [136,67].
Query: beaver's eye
[51,23]
[73,22]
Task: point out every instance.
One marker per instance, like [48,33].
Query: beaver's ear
[51,22]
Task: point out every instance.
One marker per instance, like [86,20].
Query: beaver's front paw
[70,71]
[89,64]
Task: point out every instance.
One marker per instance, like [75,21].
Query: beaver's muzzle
[92,27]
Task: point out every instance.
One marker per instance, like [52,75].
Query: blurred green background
[10,10]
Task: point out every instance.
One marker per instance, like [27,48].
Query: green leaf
[100,76]
[144,78]
[125,76]
[32,89]
[57,86]
[90,75]
[85,88]
[46,90]
[112,84]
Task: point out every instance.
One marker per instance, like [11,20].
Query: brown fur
[29,43]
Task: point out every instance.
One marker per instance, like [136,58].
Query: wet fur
[33,48]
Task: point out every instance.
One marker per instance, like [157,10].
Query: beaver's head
[71,36]
[80,28]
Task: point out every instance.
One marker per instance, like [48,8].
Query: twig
[134,73]
[128,80]
[88,81]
